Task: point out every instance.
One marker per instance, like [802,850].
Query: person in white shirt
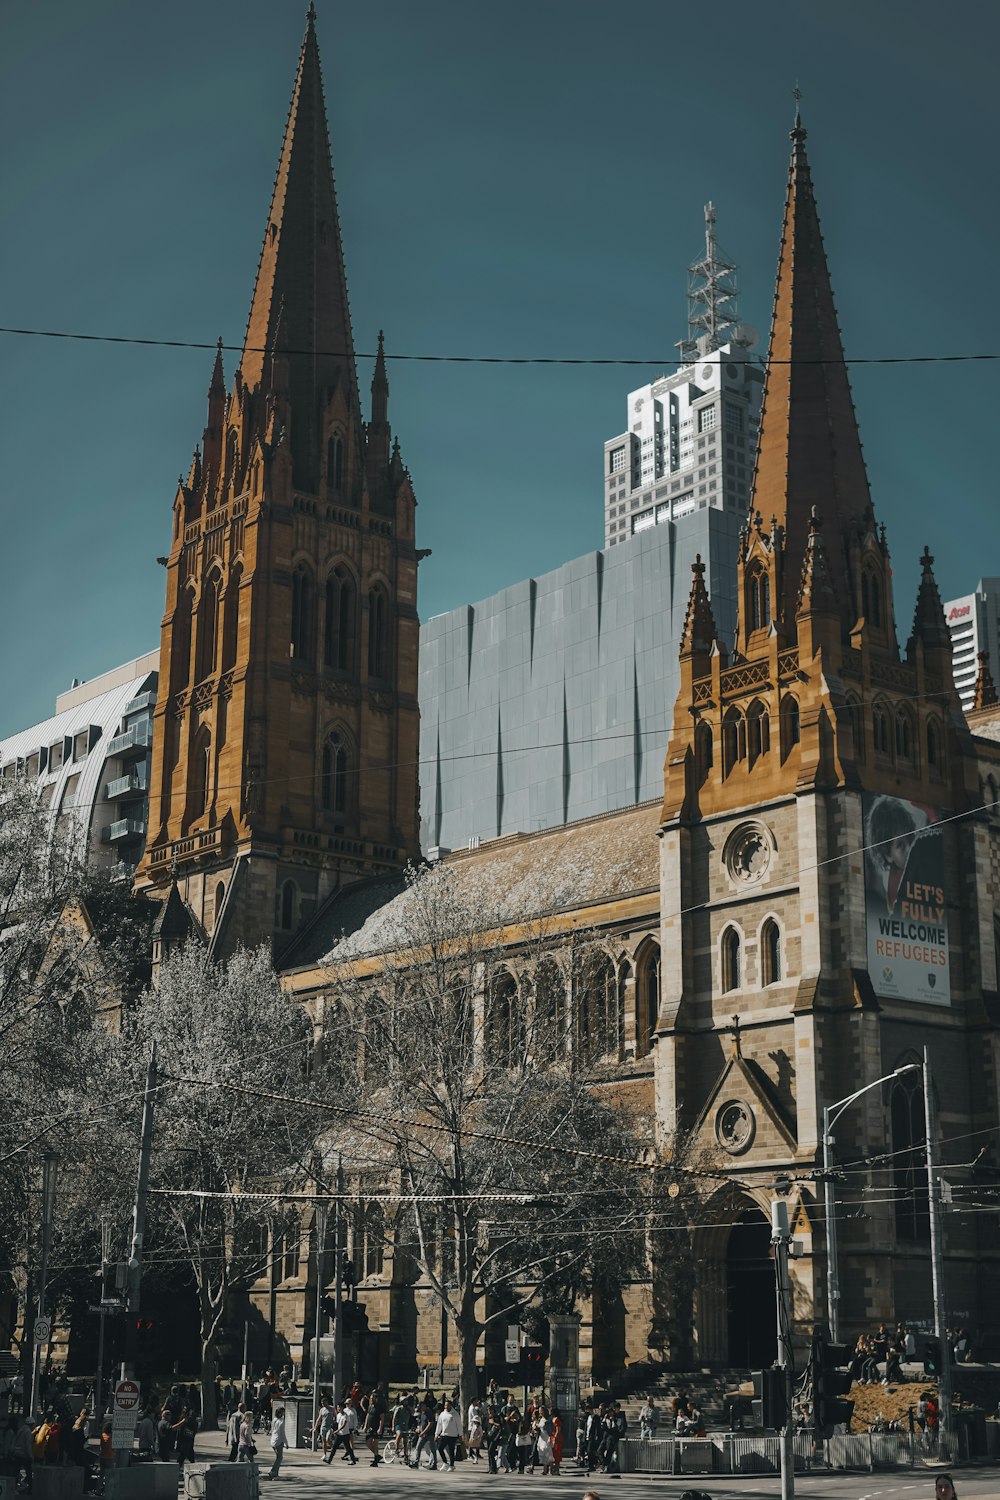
[447,1432]
[278,1441]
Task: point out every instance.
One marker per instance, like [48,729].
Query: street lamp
[831,1115]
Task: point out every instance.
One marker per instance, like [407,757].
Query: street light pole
[49,1161]
[831,1115]
[937,1251]
[780,1235]
[320,1242]
[338,1318]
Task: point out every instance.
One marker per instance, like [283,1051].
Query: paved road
[303,1478]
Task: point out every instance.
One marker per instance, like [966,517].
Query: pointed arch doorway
[750,1294]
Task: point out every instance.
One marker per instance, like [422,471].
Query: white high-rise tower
[691,436]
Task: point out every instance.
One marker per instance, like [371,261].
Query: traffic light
[831,1382]
[532,1363]
[932,1357]
[769,1406]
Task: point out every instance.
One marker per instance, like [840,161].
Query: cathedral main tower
[286,732]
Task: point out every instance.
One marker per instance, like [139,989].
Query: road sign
[124,1414]
[126,1395]
[43,1330]
[512,1351]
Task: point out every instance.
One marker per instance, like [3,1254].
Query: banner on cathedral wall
[905,900]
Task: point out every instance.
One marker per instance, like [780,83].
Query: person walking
[494,1439]
[425,1437]
[557,1441]
[184,1432]
[323,1426]
[447,1432]
[233,1424]
[476,1434]
[165,1435]
[247,1447]
[278,1441]
[649,1419]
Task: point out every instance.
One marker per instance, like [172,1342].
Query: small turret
[985,695]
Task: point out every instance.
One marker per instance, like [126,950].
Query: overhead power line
[660,361]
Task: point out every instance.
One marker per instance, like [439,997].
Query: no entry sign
[124,1414]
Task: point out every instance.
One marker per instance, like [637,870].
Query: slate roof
[527,875]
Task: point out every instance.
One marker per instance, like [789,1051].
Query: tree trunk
[209,1415]
[469,1330]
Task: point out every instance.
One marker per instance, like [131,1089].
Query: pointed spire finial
[737,1045]
[218,382]
[699,623]
[797,96]
[929,624]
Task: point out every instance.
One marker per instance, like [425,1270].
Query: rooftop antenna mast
[713,299]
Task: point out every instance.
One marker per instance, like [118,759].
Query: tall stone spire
[301,272]
[929,623]
[809,452]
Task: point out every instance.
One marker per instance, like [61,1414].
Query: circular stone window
[748,853]
[735,1127]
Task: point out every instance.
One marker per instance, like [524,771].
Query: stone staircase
[708,1389]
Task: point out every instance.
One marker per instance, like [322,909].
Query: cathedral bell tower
[821,798]
[286,733]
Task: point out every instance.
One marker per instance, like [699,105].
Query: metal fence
[736,1453]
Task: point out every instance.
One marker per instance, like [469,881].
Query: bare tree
[483,1032]
[226,1143]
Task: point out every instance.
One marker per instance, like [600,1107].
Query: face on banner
[905,900]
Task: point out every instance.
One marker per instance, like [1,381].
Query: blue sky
[525,179]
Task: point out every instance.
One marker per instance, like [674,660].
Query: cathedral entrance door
[750,1296]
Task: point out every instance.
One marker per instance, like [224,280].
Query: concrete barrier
[57,1481]
[222,1481]
[146,1481]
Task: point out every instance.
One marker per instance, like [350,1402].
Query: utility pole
[937,1253]
[40,1332]
[780,1237]
[338,1317]
[320,1243]
[139,1225]
[98,1411]
[829,1203]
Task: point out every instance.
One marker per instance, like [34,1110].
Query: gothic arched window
[302,614]
[335,789]
[550,1008]
[857,718]
[231,623]
[340,623]
[871,598]
[289,892]
[758,730]
[759,598]
[935,746]
[597,1006]
[378,634]
[180,655]
[734,740]
[732,959]
[789,724]
[505,1040]
[770,952]
[880,730]
[703,751]
[647,995]
[335,464]
[201,770]
[904,736]
[208,627]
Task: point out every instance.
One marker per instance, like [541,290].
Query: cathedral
[813,902]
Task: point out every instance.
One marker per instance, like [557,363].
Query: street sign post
[124,1414]
[512,1351]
